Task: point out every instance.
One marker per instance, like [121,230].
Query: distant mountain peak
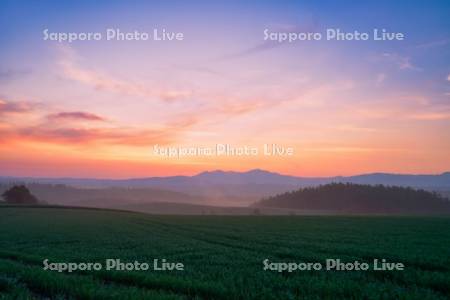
[251,177]
[209,172]
[222,172]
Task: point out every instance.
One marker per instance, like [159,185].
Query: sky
[97,108]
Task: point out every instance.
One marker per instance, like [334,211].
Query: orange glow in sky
[97,108]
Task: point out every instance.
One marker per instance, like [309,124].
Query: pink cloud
[76,115]
[7,107]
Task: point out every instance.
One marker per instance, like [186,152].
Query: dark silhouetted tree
[19,194]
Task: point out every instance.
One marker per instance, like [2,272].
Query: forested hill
[356,198]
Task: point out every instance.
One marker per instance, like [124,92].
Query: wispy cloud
[104,82]
[98,136]
[402,108]
[75,115]
[402,62]
[78,128]
[430,116]
[433,44]
[271,44]
[7,107]
[234,108]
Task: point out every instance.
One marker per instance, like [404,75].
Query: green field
[222,255]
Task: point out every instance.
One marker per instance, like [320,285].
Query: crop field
[222,255]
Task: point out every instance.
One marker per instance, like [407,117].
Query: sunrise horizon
[124,94]
[229,171]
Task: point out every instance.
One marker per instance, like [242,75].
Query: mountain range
[243,188]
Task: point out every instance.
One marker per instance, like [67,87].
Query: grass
[222,255]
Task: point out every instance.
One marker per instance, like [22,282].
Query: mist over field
[220,192]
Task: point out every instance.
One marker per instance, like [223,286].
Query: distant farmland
[222,255]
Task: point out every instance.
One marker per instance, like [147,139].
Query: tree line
[359,198]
